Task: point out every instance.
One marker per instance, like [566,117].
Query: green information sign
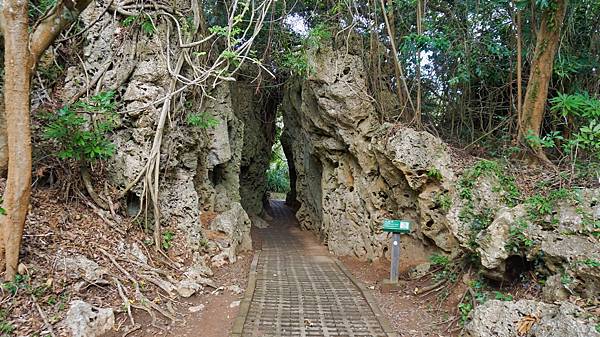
[396,226]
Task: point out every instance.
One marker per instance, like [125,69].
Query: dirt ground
[432,315]
[54,226]
[215,319]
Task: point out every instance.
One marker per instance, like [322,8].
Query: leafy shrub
[143,20]
[5,326]
[202,120]
[317,35]
[503,297]
[517,240]
[296,60]
[444,201]
[167,238]
[80,130]
[439,260]
[434,174]
[586,111]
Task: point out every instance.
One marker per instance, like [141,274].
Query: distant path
[296,289]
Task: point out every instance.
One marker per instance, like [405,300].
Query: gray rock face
[258,222]
[352,171]
[562,240]
[493,240]
[200,166]
[85,320]
[80,267]
[554,290]
[235,224]
[186,288]
[257,113]
[502,319]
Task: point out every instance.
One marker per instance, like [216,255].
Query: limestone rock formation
[235,224]
[85,320]
[80,267]
[257,113]
[200,166]
[562,239]
[502,319]
[494,239]
[352,171]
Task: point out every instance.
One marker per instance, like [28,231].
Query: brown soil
[215,320]
[409,314]
[59,223]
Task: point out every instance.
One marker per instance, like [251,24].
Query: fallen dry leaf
[525,324]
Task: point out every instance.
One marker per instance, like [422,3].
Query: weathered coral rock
[80,267]
[235,224]
[501,319]
[85,320]
[493,240]
[352,171]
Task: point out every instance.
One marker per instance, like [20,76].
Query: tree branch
[66,12]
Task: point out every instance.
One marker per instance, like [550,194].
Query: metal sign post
[396,227]
[395,257]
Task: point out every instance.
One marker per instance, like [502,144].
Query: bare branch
[65,13]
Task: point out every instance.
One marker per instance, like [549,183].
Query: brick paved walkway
[297,289]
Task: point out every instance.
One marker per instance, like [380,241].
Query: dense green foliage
[460,58]
[80,131]
[278,178]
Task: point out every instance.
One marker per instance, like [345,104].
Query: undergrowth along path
[296,288]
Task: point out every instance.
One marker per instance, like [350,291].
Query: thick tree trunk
[548,38]
[20,57]
[17,84]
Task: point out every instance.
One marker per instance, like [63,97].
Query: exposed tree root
[140,300]
[431,288]
[87,182]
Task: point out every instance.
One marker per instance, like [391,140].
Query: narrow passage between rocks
[297,289]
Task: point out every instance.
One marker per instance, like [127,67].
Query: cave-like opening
[281,173]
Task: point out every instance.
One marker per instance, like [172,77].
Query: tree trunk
[17,84]
[548,38]
[3,140]
[401,86]
[519,38]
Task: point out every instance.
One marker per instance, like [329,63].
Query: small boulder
[419,270]
[196,308]
[493,240]
[235,225]
[536,319]
[220,260]
[78,266]
[554,289]
[234,288]
[199,268]
[136,251]
[187,288]
[258,222]
[85,320]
